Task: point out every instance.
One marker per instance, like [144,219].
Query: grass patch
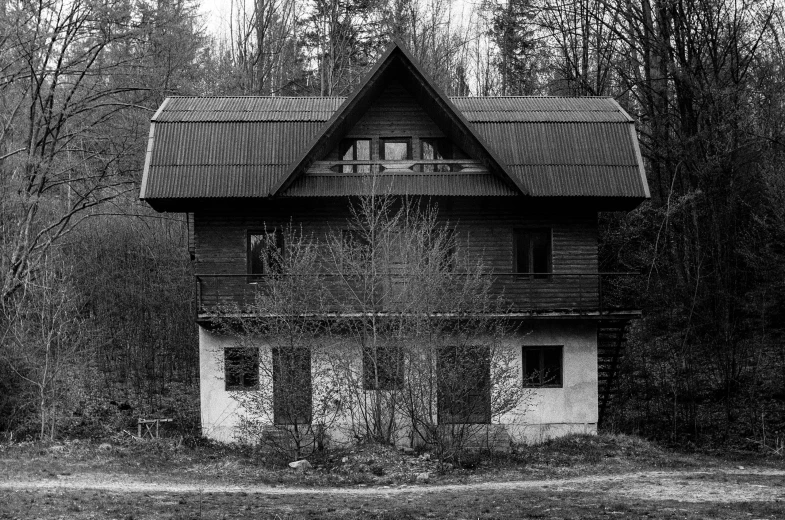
[370,465]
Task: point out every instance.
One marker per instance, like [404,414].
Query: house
[524,177]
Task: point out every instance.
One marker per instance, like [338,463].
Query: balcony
[548,295]
[396,167]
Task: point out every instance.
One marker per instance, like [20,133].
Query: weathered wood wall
[394,114]
[484,230]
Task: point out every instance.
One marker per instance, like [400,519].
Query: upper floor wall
[558,247]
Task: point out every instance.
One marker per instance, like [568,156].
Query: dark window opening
[355,150]
[464,385]
[542,366]
[292,393]
[398,149]
[382,367]
[434,149]
[266,252]
[533,252]
[241,368]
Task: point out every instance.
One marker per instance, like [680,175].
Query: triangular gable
[397,64]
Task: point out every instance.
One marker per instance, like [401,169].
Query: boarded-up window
[356,150]
[292,393]
[434,149]
[542,366]
[382,367]
[266,252]
[533,251]
[241,368]
[395,149]
[464,385]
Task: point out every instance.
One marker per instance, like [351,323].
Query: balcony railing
[557,293]
[397,167]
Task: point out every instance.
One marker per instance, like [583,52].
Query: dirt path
[724,486]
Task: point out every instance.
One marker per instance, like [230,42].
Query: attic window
[356,150]
[395,149]
[433,150]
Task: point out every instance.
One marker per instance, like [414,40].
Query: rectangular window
[266,252]
[395,149]
[382,367]
[355,150]
[292,394]
[241,368]
[542,366]
[464,385]
[434,149]
[532,251]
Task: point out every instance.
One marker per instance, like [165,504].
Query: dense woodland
[96,305]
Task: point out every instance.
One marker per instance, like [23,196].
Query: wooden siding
[485,232]
[394,114]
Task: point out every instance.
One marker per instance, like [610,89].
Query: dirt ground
[579,478]
[753,493]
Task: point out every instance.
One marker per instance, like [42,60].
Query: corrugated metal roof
[243,146]
[181,109]
[482,184]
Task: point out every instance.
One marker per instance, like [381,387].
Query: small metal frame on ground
[148,426]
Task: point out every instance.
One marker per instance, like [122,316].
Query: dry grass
[372,477]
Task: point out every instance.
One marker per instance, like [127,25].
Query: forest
[97,293]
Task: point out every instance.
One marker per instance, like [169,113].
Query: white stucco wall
[573,408]
[545,413]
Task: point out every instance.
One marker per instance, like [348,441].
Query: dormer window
[356,150]
[434,149]
[395,149]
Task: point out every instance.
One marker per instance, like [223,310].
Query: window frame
[520,232]
[283,419]
[444,401]
[254,362]
[433,142]
[542,348]
[385,140]
[280,244]
[343,147]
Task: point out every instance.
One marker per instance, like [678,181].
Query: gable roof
[397,65]
[254,147]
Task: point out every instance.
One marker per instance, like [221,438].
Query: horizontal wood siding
[394,114]
[484,231]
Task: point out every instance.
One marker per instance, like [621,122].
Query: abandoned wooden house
[524,178]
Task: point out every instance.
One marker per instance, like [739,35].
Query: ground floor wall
[540,414]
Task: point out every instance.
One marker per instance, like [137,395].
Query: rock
[407,451]
[300,465]
[105,446]
[740,467]
[423,478]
